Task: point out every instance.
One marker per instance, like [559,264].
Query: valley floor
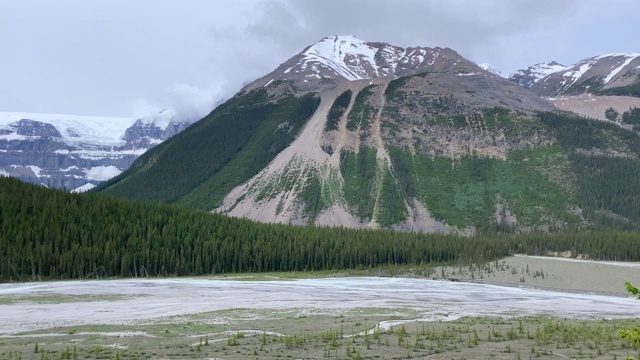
[242,316]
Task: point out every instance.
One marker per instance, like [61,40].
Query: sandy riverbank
[562,274]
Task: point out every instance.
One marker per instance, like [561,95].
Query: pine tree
[632,335]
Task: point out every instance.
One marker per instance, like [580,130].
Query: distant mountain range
[610,74]
[77,152]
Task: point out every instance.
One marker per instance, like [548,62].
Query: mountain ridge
[606,74]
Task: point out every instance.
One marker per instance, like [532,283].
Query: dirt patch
[421,220]
[594,106]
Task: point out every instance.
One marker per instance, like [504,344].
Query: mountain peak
[339,58]
[341,38]
[343,53]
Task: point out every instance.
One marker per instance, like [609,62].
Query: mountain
[609,74]
[369,135]
[77,152]
[534,73]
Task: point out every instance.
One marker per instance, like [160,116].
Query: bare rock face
[76,152]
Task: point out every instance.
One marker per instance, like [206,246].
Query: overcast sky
[133,57]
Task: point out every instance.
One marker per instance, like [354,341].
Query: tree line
[51,234]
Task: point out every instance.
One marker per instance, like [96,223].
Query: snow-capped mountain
[338,59]
[77,152]
[529,76]
[344,133]
[609,74]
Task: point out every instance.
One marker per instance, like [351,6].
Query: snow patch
[83,188]
[13,136]
[102,173]
[614,72]
[99,154]
[541,70]
[617,55]
[574,75]
[36,170]
[332,52]
[70,168]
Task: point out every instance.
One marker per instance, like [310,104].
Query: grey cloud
[119,57]
[505,33]
[474,28]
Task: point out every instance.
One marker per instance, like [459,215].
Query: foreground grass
[357,336]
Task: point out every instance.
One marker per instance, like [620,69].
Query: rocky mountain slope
[371,135]
[76,152]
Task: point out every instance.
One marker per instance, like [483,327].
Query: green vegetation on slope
[575,132]
[361,113]
[338,108]
[463,192]
[199,166]
[359,172]
[632,117]
[513,124]
[629,90]
[393,92]
[592,84]
[609,184]
[391,207]
[540,188]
